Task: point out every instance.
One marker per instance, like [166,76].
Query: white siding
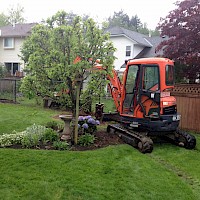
[11,55]
[120,43]
[137,49]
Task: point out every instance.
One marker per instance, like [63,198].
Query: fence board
[188,105]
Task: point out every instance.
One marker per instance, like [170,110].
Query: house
[11,40]
[131,44]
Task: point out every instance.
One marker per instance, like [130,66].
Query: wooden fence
[188,105]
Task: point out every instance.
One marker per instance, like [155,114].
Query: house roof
[138,37]
[150,43]
[151,52]
[19,30]
[148,52]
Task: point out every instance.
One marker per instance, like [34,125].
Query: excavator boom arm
[115,87]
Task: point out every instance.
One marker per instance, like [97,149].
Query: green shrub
[86,140]
[11,139]
[50,135]
[33,135]
[54,125]
[36,129]
[26,142]
[3,71]
[5,140]
[59,145]
[29,87]
[35,140]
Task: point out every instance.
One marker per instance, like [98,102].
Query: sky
[148,11]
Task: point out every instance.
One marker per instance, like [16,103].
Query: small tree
[3,20]
[14,16]
[3,71]
[59,51]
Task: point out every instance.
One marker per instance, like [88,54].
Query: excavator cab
[146,88]
[146,98]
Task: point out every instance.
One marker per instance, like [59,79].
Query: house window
[12,68]
[8,43]
[128,50]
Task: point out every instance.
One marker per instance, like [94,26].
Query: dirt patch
[103,139]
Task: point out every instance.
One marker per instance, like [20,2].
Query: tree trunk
[77,112]
[69,83]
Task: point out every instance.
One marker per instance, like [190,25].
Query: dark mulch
[103,139]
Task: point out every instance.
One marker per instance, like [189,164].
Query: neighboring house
[131,44]
[11,40]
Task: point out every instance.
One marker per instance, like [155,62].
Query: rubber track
[133,138]
[190,139]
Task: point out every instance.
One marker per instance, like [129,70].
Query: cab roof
[154,60]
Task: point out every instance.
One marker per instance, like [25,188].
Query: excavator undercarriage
[141,137]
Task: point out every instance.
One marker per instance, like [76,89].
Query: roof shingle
[19,30]
[138,37]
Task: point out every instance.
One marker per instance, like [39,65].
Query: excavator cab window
[169,75]
[150,78]
[131,78]
[130,86]
[140,80]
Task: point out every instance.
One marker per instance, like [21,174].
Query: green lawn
[19,116]
[115,172]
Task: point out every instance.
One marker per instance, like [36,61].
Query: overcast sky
[148,11]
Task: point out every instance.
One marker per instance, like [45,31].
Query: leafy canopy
[182,26]
[122,19]
[132,23]
[14,16]
[51,50]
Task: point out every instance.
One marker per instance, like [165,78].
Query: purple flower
[79,125]
[91,121]
[85,126]
[88,117]
[97,122]
[80,118]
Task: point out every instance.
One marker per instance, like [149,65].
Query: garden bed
[102,139]
[50,136]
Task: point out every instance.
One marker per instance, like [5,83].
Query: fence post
[15,90]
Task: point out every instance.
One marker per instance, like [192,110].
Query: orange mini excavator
[144,107]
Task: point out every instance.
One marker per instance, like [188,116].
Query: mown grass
[182,162]
[19,116]
[115,172]
[109,105]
